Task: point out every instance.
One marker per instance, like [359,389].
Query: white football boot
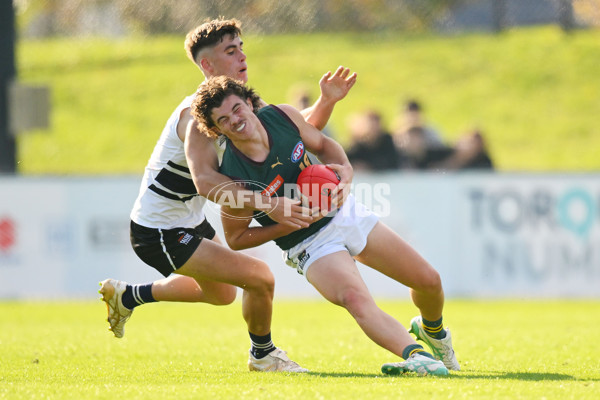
[418,364]
[277,360]
[112,291]
[441,348]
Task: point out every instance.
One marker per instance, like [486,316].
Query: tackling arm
[240,235]
[325,148]
[203,164]
[334,87]
[330,152]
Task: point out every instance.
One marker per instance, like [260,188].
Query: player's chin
[243,76]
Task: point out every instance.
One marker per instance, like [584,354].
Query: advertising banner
[489,235]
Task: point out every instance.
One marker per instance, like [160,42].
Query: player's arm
[334,87]
[203,164]
[326,149]
[240,235]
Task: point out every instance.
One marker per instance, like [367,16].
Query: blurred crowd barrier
[490,235]
[44,18]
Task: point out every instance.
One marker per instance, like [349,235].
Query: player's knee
[269,282]
[262,279]
[225,296]
[355,301]
[431,282]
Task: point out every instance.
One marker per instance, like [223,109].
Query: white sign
[489,235]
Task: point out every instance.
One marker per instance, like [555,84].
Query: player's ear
[249,101]
[205,65]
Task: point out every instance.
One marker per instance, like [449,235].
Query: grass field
[508,350]
[533,92]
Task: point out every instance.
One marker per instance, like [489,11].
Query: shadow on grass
[521,376]
[344,375]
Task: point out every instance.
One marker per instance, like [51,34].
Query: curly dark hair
[209,34]
[211,94]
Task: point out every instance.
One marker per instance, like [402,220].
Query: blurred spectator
[412,116]
[417,154]
[372,147]
[422,147]
[470,152]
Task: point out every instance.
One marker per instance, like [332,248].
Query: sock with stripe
[415,348]
[261,345]
[136,295]
[434,329]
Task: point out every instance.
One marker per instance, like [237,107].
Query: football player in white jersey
[168,223]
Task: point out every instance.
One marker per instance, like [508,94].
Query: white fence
[490,235]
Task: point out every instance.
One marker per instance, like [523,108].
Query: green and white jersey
[277,174]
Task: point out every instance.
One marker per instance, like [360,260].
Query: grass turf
[507,349]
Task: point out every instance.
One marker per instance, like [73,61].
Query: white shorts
[347,231]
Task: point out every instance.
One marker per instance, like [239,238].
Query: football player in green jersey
[325,255]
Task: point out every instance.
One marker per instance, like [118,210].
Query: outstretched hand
[334,87]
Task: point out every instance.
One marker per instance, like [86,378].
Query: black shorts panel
[167,250]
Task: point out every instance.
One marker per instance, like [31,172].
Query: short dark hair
[211,94]
[209,34]
[413,105]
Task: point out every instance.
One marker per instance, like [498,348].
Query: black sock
[415,348]
[435,329]
[136,295]
[261,345]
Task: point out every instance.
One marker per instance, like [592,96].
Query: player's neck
[256,147]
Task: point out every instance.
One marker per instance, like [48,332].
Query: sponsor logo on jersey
[298,152]
[276,164]
[185,238]
[273,186]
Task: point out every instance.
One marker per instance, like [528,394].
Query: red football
[316,183]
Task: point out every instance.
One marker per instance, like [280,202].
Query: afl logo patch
[298,152]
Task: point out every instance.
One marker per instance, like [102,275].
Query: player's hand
[334,87]
[346,174]
[291,213]
[316,211]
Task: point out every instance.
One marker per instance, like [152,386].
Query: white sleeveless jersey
[168,198]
